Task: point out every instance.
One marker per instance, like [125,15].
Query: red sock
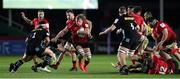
[80,60]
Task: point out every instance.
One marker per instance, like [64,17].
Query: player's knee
[131,53]
[88,56]
[47,59]
[121,51]
[81,51]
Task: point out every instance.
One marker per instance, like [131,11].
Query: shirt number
[162,25]
[132,26]
[34,34]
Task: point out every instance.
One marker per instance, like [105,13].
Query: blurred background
[13,29]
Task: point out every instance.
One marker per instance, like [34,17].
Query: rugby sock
[74,63]
[18,64]
[86,62]
[80,59]
[170,63]
[47,61]
[39,65]
[57,63]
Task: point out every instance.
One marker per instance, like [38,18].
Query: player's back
[37,36]
[138,19]
[158,29]
[127,23]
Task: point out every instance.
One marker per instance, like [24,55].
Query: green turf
[99,67]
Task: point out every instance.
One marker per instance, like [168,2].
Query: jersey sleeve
[141,21]
[162,26]
[47,34]
[34,20]
[85,24]
[116,21]
[69,24]
[46,21]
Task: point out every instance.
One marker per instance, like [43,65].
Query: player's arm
[141,27]
[110,29]
[163,39]
[61,33]
[26,19]
[47,39]
[90,25]
[87,29]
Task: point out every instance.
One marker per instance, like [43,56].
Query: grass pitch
[99,67]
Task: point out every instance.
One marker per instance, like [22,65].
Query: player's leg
[175,50]
[87,58]
[49,52]
[167,58]
[14,66]
[81,54]
[35,61]
[60,57]
[70,48]
[122,54]
[143,42]
[74,63]
[177,54]
[47,58]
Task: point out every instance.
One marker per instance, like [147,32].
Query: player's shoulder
[127,17]
[35,19]
[162,24]
[68,21]
[44,19]
[120,17]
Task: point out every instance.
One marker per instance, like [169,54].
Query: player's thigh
[72,48]
[60,47]
[165,55]
[135,43]
[87,50]
[79,47]
[125,44]
[27,58]
[67,46]
[122,49]
[49,52]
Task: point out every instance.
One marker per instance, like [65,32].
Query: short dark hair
[130,6]
[40,11]
[81,16]
[150,19]
[122,9]
[137,9]
[147,15]
[70,10]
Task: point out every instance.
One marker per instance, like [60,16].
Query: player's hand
[54,40]
[101,33]
[23,14]
[118,31]
[90,36]
[157,48]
